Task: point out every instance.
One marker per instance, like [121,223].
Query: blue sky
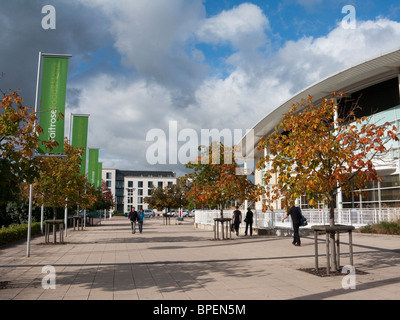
[137,65]
[293,19]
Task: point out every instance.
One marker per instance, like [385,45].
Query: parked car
[185,213]
[148,213]
[171,213]
[191,213]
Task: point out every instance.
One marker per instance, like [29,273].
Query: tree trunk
[333,264]
[221,207]
[54,226]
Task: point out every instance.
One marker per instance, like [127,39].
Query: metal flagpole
[28,250]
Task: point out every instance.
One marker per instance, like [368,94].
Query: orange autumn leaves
[312,152]
[215,181]
[54,179]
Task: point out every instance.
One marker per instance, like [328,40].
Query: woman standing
[141,219]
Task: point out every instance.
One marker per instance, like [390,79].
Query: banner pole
[28,248]
[41,54]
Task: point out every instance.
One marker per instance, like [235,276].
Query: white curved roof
[366,74]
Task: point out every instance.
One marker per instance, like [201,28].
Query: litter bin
[126,214]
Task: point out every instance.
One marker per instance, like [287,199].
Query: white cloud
[308,60]
[243,27]
[171,82]
[154,37]
[120,115]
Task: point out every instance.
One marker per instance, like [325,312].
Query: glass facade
[385,194]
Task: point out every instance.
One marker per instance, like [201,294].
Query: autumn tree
[172,196]
[176,194]
[18,141]
[158,199]
[104,198]
[215,179]
[313,153]
[60,182]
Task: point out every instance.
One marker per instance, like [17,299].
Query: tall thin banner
[52,103]
[93,166]
[99,173]
[79,136]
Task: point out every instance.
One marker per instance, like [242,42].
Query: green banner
[99,172]
[79,136]
[52,103]
[93,166]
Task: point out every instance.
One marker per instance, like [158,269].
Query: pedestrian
[295,213]
[141,219]
[237,219]
[133,217]
[249,221]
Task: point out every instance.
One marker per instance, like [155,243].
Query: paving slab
[179,262]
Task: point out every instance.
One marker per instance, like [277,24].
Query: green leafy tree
[158,199]
[172,196]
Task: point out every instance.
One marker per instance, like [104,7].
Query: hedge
[385,227]
[17,232]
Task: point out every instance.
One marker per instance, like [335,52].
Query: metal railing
[273,219]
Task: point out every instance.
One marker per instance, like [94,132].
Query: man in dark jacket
[295,213]
[133,217]
[249,221]
[237,219]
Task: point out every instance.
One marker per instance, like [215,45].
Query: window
[140,200]
[130,199]
[150,192]
[130,192]
[108,184]
[108,175]
[140,192]
[160,184]
[170,183]
[119,184]
[150,184]
[140,184]
[130,184]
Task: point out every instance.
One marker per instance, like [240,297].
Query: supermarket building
[376,85]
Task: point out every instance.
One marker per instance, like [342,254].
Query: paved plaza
[179,262]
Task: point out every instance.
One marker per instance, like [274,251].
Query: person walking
[141,219]
[237,219]
[133,217]
[295,213]
[249,221]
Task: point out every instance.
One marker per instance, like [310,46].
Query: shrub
[17,232]
[385,227]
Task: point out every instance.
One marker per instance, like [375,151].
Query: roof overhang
[353,79]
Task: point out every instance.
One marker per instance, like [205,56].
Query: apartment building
[131,187]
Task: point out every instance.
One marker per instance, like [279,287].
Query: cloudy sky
[152,72]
